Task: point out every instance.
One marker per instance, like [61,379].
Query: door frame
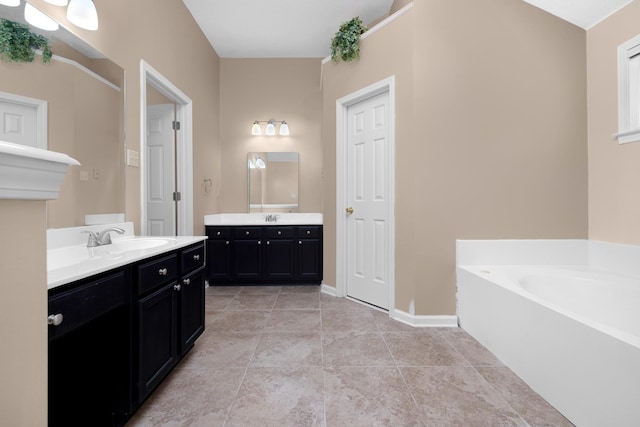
[342,105]
[184,147]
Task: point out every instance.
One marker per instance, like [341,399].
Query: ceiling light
[57,2]
[284,129]
[83,13]
[10,3]
[39,19]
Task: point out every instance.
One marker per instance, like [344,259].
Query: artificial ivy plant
[346,43]
[18,43]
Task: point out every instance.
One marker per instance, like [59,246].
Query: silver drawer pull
[196,257]
[259,242]
[279,233]
[55,319]
[218,233]
[308,231]
[299,242]
[247,233]
[176,287]
[268,243]
[186,282]
[227,242]
[162,272]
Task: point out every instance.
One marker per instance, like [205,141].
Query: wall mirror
[273,181]
[84,94]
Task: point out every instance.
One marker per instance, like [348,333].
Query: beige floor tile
[300,289]
[285,349]
[532,408]
[300,301]
[222,290]
[259,290]
[252,302]
[458,396]
[219,349]
[294,321]
[344,320]
[355,348]
[282,397]
[422,349]
[214,302]
[472,350]
[386,324]
[191,398]
[368,396]
[240,321]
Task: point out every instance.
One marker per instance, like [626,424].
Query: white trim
[83,68]
[329,290]
[184,142]
[342,105]
[41,108]
[420,321]
[628,104]
[380,25]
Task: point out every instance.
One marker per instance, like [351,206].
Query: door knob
[349,210]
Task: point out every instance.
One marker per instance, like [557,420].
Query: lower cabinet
[264,255]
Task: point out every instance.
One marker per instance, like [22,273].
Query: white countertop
[70,263]
[261,219]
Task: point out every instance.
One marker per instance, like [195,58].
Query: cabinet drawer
[280,232]
[310,231]
[247,232]
[218,232]
[154,273]
[86,302]
[192,258]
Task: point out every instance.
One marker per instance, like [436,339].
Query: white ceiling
[303,28]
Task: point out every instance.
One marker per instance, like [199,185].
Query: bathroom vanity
[120,319]
[264,249]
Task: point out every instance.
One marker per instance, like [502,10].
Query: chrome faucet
[102,238]
[271,218]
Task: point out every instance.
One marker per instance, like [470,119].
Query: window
[629,91]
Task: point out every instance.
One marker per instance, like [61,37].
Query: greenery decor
[18,43]
[346,43]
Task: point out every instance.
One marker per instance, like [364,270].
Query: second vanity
[259,248]
[121,316]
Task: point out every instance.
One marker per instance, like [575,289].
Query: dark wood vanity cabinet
[289,254]
[170,313]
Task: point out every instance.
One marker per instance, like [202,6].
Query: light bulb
[83,13]
[39,19]
[256,129]
[284,129]
[270,130]
[10,3]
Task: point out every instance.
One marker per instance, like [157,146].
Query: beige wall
[614,172]
[490,135]
[23,314]
[263,89]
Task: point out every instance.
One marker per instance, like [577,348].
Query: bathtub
[564,316]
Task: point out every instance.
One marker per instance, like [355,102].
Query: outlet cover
[133,158]
[84,176]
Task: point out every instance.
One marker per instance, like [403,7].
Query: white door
[161,208]
[19,123]
[368,211]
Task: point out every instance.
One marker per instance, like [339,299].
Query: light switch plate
[133,158]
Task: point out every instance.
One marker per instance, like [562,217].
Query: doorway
[183,151]
[365,262]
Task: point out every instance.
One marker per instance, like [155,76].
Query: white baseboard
[420,321]
[329,290]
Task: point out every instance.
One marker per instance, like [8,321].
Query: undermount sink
[134,244]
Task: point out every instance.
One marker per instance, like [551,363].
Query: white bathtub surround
[564,316]
[262,219]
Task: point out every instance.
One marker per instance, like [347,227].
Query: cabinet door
[310,260]
[247,259]
[218,260]
[191,309]
[157,338]
[280,259]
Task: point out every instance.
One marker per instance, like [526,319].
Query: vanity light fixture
[10,3]
[270,129]
[38,19]
[83,13]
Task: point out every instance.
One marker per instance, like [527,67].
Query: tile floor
[291,356]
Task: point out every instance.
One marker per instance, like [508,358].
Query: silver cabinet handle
[299,242]
[279,233]
[259,242]
[196,257]
[308,232]
[162,272]
[227,242]
[268,243]
[55,319]
[176,287]
[218,233]
[247,233]
[186,282]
